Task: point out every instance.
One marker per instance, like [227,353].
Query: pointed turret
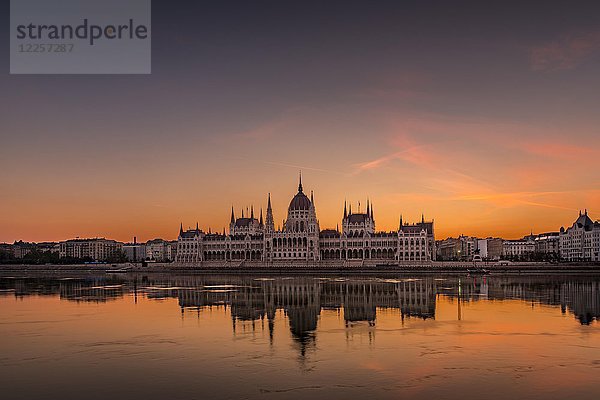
[400,228]
[197,227]
[345,210]
[270,227]
[300,183]
[373,218]
[252,212]
[181,229]
[261,218]
[312,200]
[242,213]
[232,216]
[422,218]
[368,208]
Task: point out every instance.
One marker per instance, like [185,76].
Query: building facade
[519,248]
[580,241]
[462,248]
[97,249]
[158,250]
[300,239]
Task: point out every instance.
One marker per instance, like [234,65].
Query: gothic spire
[372,211]
[242,212]
[368,208]
[345,210]
[300,183]
[270,222]
[311,197]
[232,216]
[261,218]
[401,222]
[422,218]
[252,212]
[181,229]
[197,228]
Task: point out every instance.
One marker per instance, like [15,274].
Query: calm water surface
[229,337]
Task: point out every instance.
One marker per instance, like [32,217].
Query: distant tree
[6,257]
[119,257]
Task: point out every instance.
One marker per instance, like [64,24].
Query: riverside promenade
[323,267]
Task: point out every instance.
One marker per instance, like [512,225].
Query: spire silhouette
[270,222]
[300,183]
[232,216]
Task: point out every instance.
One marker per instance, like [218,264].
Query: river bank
[435,267]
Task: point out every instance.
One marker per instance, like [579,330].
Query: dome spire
[300,183]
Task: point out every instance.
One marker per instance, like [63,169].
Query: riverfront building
[580,241]
[301,241]
[95,249]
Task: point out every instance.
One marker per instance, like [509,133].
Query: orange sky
[489,131]
[474,177]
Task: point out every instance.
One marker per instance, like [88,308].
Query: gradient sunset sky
[482,115]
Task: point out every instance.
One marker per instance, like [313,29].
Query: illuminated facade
[301,241]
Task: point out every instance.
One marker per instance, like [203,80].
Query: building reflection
[253,300]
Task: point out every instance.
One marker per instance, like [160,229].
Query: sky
[483,117]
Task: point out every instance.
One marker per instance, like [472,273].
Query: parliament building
[300,241]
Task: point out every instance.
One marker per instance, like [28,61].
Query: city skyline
[280,211]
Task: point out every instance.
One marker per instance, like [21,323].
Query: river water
[293,337]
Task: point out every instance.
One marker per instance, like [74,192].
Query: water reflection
[302,299]
[166,336]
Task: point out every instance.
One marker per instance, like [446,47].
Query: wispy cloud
[565,53]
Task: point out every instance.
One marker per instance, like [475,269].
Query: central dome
[300,202]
